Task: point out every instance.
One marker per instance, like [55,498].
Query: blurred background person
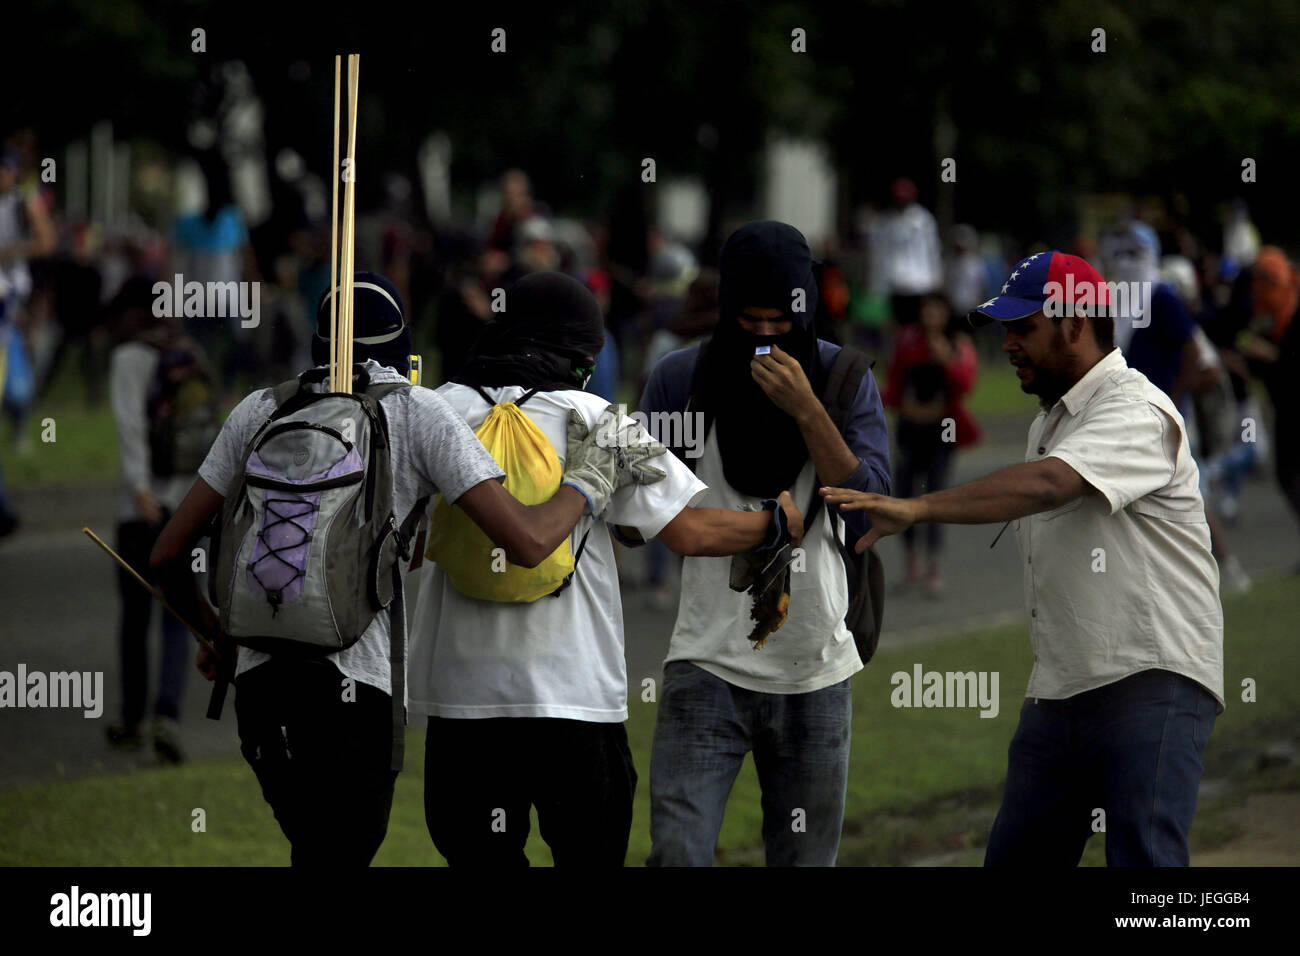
[966,276]
[932,369]
[517,207]
[1271,344]
[26,233]
[904,240]
[212,245]
[163,402]
[1209,412]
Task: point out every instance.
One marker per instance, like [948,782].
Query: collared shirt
[1120,581]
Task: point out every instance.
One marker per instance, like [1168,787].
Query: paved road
[58,611]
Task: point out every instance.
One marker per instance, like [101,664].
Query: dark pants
[1132,749]
[135,539]
[924,461]
[1286,455]
[481,776]
[323,761]
[800,744]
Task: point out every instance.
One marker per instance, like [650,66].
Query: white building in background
[799,187]
[683,209]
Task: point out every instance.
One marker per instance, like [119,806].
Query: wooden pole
[148,587]
[334,235]
[349,221]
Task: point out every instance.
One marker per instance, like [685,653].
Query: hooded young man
[323,755]
[788,701]
[526,700]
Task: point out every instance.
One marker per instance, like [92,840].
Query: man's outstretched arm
[527,533]
[1005,495]
[719,532]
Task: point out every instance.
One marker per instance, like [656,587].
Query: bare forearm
[831,456]
[527,533]
[716,532]
[552,521]
[1011,493]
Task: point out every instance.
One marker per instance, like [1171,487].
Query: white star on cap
[1004,288]
[1014,274]
[985,305]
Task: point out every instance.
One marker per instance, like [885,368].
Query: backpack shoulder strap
[693,404]
[843,383]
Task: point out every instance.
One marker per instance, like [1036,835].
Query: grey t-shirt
[433,451]
[131,368]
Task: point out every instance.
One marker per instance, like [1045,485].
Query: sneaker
[1233,578]
[125,737]
[166,741]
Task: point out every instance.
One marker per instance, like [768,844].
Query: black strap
[397,658]
[577,556]
[220,684]
[518,401]
[693,405]
[842,386]
[581,544]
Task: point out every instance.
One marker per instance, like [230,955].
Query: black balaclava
[546,338]
[760,265]
[379,329]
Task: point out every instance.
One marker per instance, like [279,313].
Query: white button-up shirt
[1121,581]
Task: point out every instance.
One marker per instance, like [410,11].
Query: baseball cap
[1040,282]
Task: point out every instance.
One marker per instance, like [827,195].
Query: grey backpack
[307,550]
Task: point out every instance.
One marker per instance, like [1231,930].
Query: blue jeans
[135,539]
[1132,748]
[800,744]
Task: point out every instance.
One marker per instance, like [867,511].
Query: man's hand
[793,517]
[782,379]
[603,460]
[940,347]
[149,507]
[888,515]
[209,661]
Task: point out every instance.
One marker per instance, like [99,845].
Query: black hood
[551,328]
[766,265]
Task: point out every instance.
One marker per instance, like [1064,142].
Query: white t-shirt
[432,451]
[556,656]
[811,650]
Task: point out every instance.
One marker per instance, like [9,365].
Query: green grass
[84,449]
[920,780]
[84,446]
[997,393]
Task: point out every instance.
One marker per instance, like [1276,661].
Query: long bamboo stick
[148,587]
[354,75]
[334,235]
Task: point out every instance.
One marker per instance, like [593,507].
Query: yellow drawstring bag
[533,474]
